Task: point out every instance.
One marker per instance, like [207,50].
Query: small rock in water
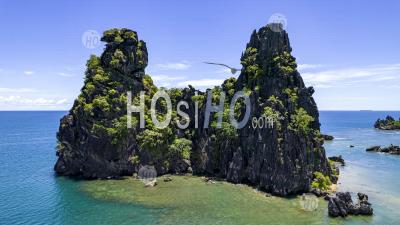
[351,146]
[167,179]
[342,205]
[373,148]
[209,180]
[327,137]
[391,149]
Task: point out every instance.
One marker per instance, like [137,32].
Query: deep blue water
[31,194]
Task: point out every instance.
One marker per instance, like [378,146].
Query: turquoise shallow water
[375,174]
[31,194]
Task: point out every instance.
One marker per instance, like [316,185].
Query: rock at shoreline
[387,124]
[342,205]
[319,193]
[391,149]
[94,142]
[337,159]
[327,137]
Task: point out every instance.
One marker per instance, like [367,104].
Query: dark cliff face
[280,160]
[94,141]
[87,135]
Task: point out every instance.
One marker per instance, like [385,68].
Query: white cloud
[166,80]
[30,102]
[351,76]
[163,78]
[201,83]
[62,101]
[66,74]
[322,86]
[174,66]
[308,66]
[17,90]
[28,72]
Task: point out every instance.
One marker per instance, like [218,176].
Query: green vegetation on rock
[249,62]
[274,115]
[301,121]
[293,94]
[285,63]
[321,182]
[181,147]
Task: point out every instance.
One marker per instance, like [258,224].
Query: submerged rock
[94,142]
[342,205]
[167,179]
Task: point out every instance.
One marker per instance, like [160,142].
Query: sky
[348,50]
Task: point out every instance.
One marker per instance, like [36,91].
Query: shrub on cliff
[285,63]
[249,62]
[320,181]
[301,121]
[181,147]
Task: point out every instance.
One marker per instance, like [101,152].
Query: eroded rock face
[280,159]
[86,145]
[342,205]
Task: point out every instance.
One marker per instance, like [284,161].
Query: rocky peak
[269,41]
[124,52]
[267,55]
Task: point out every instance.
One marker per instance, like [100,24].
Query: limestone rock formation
[281,159]
[342,205]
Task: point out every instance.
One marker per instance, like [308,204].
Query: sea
[31,193]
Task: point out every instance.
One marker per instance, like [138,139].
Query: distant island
[387,124]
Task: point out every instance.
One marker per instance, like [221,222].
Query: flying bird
[233,70]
